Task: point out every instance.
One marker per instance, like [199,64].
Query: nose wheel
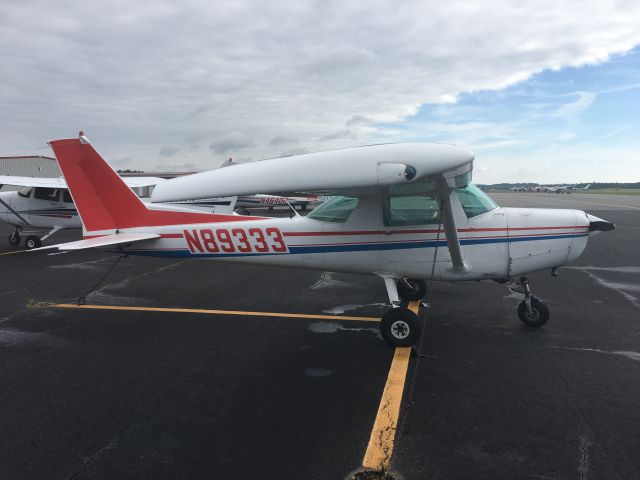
[531,311]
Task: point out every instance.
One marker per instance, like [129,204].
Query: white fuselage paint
[501,243]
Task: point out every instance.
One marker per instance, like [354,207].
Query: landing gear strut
[14,238]
[531,311]
[399,326]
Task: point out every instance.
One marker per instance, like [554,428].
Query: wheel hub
[533,315]
[400,329]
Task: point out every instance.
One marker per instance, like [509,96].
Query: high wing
[59,182]
[352,171]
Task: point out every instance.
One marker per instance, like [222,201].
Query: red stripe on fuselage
[461,230]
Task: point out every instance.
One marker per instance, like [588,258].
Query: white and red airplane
[404,212]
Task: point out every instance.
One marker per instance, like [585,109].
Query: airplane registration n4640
[407,213]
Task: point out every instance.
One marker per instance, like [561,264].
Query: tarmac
[196,369]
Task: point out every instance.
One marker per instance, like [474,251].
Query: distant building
[47,167]
[29,166]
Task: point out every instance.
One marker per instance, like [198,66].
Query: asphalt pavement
[222,386]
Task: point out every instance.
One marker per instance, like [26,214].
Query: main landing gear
[531,311]
[31,241]
[400,327]
[14,238]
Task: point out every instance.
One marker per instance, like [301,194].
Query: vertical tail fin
[103,200]
[105,203]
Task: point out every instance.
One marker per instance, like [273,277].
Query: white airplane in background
[563,188]
[45,204]
[405,212]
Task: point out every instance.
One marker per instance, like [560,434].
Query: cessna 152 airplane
[404,212]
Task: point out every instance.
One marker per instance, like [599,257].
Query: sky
[541,91]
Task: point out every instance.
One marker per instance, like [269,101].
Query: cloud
[573,110]
[168,151]
[138,76]
[336,136]
[231,143]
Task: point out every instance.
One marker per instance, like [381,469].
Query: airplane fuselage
[498,244]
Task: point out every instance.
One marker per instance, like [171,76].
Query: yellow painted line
[11,253]
[380,447]
[214,312]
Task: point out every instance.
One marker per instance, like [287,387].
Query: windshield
[336,209]
[474,201]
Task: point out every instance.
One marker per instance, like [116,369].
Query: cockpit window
[474,201]
[336,210]
[42,193]
[407,210]
[66,196]
[25,192]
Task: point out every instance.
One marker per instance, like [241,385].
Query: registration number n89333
[235,240]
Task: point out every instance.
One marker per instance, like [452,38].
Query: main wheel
[409,289]
[14,238]
[539,313]
[400,327]
[32,242]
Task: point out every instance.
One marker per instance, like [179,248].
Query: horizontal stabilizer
[103,241]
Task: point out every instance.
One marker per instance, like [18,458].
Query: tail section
[105,203]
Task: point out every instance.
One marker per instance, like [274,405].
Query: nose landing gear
[531,311]
[400,327]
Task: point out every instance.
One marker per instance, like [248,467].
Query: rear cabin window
[335,210]
[474,201]
[399,211]
[25,192]
[42,193]
[66,197]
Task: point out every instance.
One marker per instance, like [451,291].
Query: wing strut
[446,193]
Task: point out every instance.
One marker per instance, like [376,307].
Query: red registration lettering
[244,245]
[193,241]
[209,241]
[261,243]
[225,240]
[278,241]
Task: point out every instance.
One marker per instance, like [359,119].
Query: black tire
[14,238]
[400,327]
[242,211]
[409,289]
[32,242]
[539,315]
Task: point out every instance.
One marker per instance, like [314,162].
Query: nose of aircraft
[598,224]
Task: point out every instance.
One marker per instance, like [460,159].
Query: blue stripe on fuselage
[362,247]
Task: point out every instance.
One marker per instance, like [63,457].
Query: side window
[42,193]
[335,210]
[66,197]
[407,210]
[25,192]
